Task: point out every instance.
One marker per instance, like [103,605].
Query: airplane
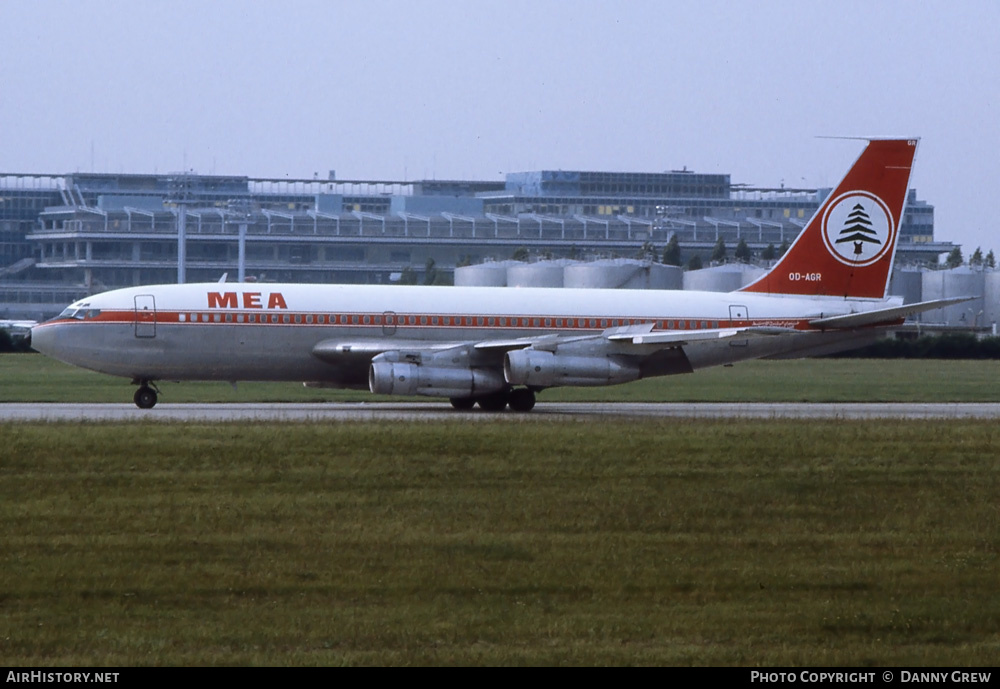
[18,332]
[499,347]
[17,326]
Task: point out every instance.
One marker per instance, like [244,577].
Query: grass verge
[701,542]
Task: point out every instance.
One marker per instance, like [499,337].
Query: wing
[884,316]
[339,351]
[475,368]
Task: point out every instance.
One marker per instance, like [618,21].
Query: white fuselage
[260,331]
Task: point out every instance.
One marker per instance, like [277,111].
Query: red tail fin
[847,248]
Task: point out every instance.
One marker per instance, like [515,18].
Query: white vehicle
[500,346]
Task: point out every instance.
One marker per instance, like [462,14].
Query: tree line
[977,260]
[946,346]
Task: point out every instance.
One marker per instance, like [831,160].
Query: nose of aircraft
[70,342]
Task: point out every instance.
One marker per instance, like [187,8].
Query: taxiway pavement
[429,411]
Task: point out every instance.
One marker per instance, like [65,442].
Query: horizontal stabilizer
[884,316]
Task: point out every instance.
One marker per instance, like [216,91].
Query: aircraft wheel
[145,398]
[495,402]
[463,403]
[522,400]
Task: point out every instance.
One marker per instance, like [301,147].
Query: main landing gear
[522,399]
[519,400]
[145,396]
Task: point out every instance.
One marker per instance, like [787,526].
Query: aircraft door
[738,316]
[145,315]
[737,313]
[389,323]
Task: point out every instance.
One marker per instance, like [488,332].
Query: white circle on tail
[858,228]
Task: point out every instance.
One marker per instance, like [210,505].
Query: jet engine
[538,368]
[405,378]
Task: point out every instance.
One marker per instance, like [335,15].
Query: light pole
[180,194]
[241,208]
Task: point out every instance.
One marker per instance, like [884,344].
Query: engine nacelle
[537,368]
[402,378]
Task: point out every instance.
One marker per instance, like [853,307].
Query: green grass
[501,542]
[34,378]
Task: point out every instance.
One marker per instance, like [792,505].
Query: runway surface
[430,411]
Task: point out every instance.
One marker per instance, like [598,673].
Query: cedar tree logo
[858,228]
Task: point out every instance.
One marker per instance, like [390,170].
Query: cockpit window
[79,314]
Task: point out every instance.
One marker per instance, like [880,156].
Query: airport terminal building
[63,237]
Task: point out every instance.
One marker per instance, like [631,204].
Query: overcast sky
[475,89]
